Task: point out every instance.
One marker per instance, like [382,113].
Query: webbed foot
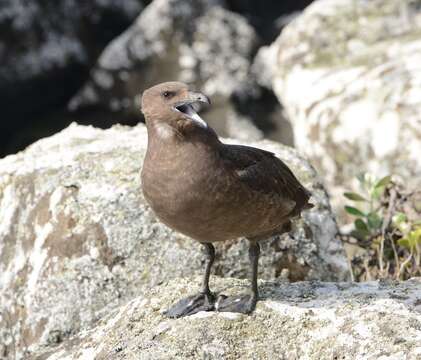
[244,304]
[192,305]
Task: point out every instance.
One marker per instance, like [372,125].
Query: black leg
[210,254]
[246,303]
[205,300]
[254,252]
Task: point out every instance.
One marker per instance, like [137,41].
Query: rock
[171,39]
[77,238]
[264,65]
[347,74]
[306,320]
[45,45]
[200,43]
[268,113]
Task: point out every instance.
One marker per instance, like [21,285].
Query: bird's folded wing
[262,171]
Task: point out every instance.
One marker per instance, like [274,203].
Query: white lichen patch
[37,258]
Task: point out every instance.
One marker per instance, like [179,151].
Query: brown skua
[211,191]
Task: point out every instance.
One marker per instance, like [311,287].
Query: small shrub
[389,238]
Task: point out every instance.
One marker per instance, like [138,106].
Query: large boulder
[306,320]
[77,237]
[348,75]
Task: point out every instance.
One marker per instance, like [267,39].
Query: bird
[211,191]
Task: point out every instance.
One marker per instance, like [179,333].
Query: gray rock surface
[305,320]
[77,238]
[348,75]
[264,65]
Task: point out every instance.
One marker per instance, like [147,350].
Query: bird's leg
[247,303]
[210,254]
[205,300]
[254,252]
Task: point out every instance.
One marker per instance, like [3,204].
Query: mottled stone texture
[347,72]
[305,320]
[78,239]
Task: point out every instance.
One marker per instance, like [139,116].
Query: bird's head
[173,104]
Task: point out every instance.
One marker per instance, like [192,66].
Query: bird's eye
[167,94]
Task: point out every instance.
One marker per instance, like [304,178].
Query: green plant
[410,240]
[389,239]
[368,214]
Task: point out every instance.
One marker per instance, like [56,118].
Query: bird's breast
[180,185]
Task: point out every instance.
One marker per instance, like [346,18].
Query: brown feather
[264,172]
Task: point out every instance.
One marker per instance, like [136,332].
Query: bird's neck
[162,134]
[173,150]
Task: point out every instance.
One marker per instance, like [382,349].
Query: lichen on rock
[347,73]
[306,320]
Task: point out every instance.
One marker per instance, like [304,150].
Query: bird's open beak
[192,105]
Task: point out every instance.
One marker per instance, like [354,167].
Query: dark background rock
[200,43]
[48,48]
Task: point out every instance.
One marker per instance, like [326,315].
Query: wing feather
[262,171]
